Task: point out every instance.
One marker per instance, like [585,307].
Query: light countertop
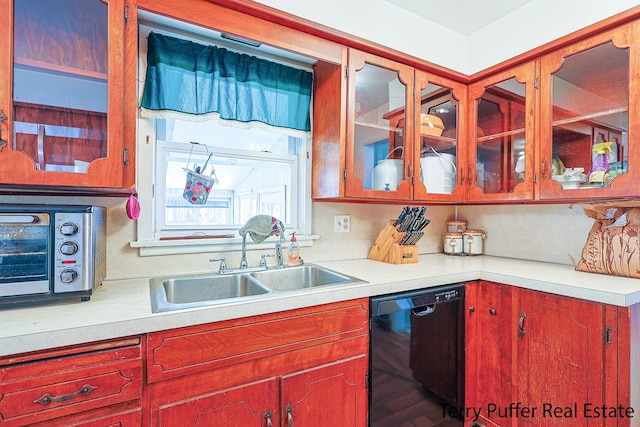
[122,308]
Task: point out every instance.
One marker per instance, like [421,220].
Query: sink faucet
[260,227]
[280,227]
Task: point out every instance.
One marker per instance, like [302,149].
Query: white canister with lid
[453,243]
[473,242]
[456,226]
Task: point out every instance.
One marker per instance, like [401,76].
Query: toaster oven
[51,253]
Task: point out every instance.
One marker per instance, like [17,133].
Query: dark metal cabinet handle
[289,413]
[3,117]
[521,330]
[47,398]
[267,416]
[545,168]
[492,311]
[472,309]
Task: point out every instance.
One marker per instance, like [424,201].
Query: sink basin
[189,291]
[196,291]
[294,278]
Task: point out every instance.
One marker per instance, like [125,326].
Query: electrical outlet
[342,223]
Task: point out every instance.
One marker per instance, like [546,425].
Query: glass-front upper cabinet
[501,157]
[380,119]
[63,93]
[586,129]
[439,125]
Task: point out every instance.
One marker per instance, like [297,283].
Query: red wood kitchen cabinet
[273,369]
[95,385]
[62,96]
[384,130]
[362,143]
[379,143]
[587,92]
[489,352]
[538,359]
[562,356]
[501,133]
[439,156]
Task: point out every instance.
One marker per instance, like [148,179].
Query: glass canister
[453,243]
[456,226]
[473,242]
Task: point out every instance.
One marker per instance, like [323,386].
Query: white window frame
[163,147]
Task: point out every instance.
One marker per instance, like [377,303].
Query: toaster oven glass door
[24,248]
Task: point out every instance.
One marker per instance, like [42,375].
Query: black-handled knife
[423,224]
[400,218]
[407,221]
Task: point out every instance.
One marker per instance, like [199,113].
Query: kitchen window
[255,169]
[259,175]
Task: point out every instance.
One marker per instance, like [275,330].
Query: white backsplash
[550,233]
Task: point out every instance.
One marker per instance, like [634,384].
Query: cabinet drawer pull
[47,398]
[492,311]
[472,309]
[521,330]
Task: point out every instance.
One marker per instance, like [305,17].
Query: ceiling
[462,16]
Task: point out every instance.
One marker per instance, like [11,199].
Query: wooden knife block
[387,247]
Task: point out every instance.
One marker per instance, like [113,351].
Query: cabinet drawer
[112,416]
[195,349]
[55,387]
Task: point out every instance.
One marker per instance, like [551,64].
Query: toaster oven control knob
[68,248]
[69,229]
[68,276]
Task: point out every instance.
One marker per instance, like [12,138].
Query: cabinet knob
[472,309]
[492,311]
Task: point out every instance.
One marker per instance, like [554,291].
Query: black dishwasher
[416,372]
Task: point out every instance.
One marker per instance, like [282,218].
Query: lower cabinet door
[251,405]
[330,395]
[560,360]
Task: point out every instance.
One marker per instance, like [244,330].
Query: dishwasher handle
[423,311]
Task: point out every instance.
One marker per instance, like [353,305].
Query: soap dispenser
[294,251]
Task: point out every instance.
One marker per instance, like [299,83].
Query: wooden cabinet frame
[622,37]
[106,172]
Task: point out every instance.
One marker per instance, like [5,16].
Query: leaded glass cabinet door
[587,90]
[501,155]
[380,120]
[63,93]
[440,127]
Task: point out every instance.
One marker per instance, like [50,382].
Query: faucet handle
[223,264]
[263,259]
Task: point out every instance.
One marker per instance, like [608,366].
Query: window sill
[192,246]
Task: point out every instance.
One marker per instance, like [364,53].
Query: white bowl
[570,185]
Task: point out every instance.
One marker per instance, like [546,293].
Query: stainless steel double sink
[180,292]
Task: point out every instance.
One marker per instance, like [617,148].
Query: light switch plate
[342,223]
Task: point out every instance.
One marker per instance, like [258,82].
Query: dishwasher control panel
[447,295]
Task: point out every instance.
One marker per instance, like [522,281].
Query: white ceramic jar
[456,226]
[453,243]
[473,242]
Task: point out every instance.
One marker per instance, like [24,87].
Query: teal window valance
[196,82]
